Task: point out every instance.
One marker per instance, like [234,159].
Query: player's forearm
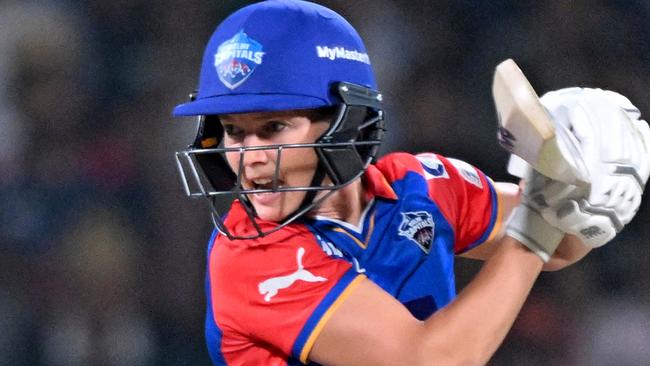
[570,250]
[485,310]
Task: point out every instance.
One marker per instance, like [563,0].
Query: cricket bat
[528,131]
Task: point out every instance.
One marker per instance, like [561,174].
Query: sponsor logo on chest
[418,226]
[272,286]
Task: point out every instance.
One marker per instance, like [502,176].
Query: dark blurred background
[102,256]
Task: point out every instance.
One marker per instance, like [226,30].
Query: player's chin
[269,214]
[276,206]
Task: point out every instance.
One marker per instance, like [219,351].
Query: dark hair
[321,114]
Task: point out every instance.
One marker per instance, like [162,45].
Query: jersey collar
[376,185]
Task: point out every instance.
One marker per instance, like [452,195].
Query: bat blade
[528,131]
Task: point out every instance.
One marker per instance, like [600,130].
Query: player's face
[296,165]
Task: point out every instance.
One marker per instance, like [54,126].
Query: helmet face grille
[344,152]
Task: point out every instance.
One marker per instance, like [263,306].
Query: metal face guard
[203,175]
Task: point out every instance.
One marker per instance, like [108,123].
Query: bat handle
[562,159]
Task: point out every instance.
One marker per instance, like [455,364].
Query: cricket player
[325,254]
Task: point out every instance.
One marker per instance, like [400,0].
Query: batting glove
[615,146]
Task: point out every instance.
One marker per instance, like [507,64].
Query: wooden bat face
[527,130]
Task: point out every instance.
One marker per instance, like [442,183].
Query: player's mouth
[267,197]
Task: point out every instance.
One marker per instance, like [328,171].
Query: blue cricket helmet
[279,55]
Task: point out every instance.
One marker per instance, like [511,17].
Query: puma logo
[270,287]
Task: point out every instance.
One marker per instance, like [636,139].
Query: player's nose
[252,155]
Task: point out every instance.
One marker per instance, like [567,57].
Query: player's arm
[570,250]
[372,328]
[508,198]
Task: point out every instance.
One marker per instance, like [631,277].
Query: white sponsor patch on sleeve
[468,172]
[432,166]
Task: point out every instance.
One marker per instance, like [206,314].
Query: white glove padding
[527,223]
[594,226]
[614,142]
[529,228]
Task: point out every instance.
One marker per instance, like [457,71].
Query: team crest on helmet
[418,226]
[237,58]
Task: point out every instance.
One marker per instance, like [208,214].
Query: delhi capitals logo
[237,58]
[418,226]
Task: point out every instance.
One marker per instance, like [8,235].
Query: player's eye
[232,131]
[273,127]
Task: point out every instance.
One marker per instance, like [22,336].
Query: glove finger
[615,140]
[602,190]
[630,207]
[616,193]
[642,127]
[623,206]
[620,197]
[643,159]
[629,143]
[555,192]
[623,102]
[594,230]
[578,123]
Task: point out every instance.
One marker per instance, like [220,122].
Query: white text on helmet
[342,53]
